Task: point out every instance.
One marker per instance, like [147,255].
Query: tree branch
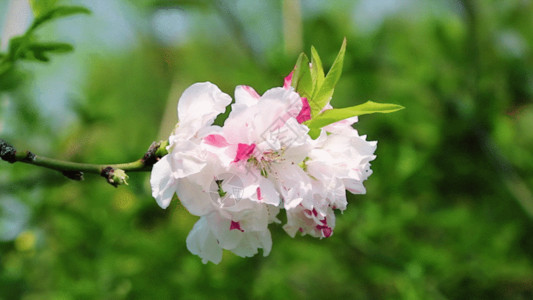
[114,173]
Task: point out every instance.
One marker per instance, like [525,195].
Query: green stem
[75,170]
[61,165]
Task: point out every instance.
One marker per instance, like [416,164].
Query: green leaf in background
[4,68]
[58,12]
[41,6]
[16,48]
[22,48]
[26,46]
[301,77]
[322,95]
[337,114]
[440,220]
[51,47]
[39,50]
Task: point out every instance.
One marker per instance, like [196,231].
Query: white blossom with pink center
[238,176]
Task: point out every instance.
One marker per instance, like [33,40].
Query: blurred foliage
[446,215]
[28,47]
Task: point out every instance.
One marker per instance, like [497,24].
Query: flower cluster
[286,149]
[237,177]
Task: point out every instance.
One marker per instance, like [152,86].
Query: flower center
[264,160]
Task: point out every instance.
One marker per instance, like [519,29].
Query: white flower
[243,233]
[310,221]
[268,124]
[260,144]
[236,178]
[197,109]
[342,155]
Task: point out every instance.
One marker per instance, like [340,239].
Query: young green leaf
[41,6]
[40,51]
[322,96]
[337,114]
[301,77]
[314,133]
[58,12]
[39,55]
[51,47]
[317,71]
[16,47]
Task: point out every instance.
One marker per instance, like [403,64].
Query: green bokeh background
[449,208]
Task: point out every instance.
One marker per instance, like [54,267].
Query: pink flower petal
[315,213]
[251,91]
[244,151]
[288,80]
[235,225]
[327,231]
[216,140]
[305,113]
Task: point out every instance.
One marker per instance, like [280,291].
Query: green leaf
[40,51]
[51,47]
[301,77]
[17,47]
[323,95]
[314,133]
[317,71]
[58,12]
[40,56]
[41,6]
[5,67]
[337,114]
[9,77]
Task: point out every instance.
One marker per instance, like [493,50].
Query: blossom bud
[119,177]
[115,177]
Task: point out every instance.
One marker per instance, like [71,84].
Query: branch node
[30,157]
[154,153]
[114,177]
[74,175]
[7,152]
[107,173]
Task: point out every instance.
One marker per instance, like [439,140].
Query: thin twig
[114,173]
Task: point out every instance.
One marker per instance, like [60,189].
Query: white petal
[186,158]
[269,194]
[197,201]
[203,243]
[252,241]
[290,99]
[220,226]
[186,164]
[238,127]
[245,95]
[293,183]
[266,241]
[355,186]
[162,182]
[200,104]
